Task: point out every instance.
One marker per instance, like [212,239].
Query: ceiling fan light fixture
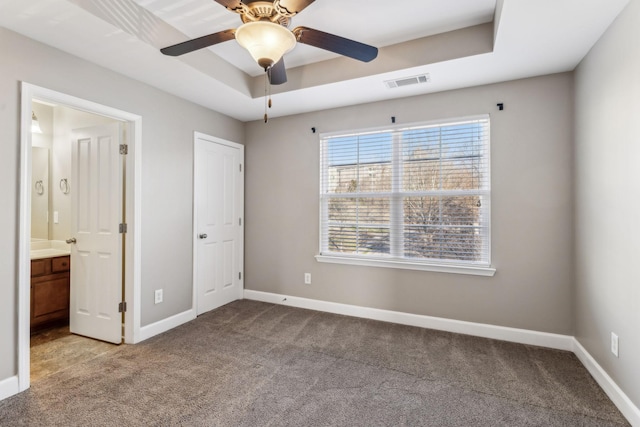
[266,41]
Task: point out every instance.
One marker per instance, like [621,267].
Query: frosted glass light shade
[35,126]
[265,41]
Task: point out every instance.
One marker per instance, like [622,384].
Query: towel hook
[39,187]
[64,186]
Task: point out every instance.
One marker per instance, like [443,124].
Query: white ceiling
[532,37]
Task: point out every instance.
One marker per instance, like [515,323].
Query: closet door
[218,201]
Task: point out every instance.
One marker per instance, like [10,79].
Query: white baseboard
[522,336]
[617,396]
[164,325]
[9,387]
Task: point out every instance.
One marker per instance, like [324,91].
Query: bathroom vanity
[49,291]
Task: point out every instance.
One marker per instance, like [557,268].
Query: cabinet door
[49,298]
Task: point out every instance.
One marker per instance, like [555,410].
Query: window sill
[408,265]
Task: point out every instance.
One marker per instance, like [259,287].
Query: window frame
[393,260]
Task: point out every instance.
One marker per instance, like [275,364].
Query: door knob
[203,236]
[71,240]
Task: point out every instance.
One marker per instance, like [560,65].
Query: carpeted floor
[256,364]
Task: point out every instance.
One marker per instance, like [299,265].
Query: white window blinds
[418,193]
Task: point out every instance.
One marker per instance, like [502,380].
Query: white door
[219,201]
[96,213]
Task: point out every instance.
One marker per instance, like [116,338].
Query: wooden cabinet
[49,290]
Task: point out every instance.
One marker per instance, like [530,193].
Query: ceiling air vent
[408,81]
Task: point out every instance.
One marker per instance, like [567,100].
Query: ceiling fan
[265,34]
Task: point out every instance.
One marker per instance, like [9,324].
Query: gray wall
[531,210]
[608,200]
[167,157]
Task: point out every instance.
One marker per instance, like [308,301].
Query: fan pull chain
[266,118]
[267,94]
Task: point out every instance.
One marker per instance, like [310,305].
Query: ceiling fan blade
[199,43]
[352,49]
[295,6]
[277,73]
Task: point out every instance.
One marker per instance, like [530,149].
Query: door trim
[133,256]
[215,140]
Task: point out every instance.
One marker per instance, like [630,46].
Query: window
[408,196]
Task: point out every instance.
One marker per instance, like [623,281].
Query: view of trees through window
[420,193]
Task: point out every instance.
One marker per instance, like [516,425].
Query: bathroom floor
[56,349]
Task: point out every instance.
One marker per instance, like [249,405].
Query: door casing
[132,259]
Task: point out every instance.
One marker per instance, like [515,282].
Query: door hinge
[240,221]
[240,167]
[122,228]
[124,149]
[240,275]
[122,307]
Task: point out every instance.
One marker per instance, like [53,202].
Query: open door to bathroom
[96,233]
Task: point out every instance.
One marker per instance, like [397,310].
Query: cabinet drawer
[60,264]
[40,267]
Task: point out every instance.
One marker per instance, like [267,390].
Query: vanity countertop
[49,249]
[48,253]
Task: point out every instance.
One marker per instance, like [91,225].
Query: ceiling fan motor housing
[260,10]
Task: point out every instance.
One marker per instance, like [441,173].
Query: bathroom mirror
[40,193]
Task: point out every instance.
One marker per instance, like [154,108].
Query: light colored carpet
[56,349]
[256,364]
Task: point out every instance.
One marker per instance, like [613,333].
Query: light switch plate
[614,344]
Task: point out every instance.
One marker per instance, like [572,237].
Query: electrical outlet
[307,278]
[614,344]
[158,296]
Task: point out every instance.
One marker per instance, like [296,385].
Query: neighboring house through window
[408,196]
